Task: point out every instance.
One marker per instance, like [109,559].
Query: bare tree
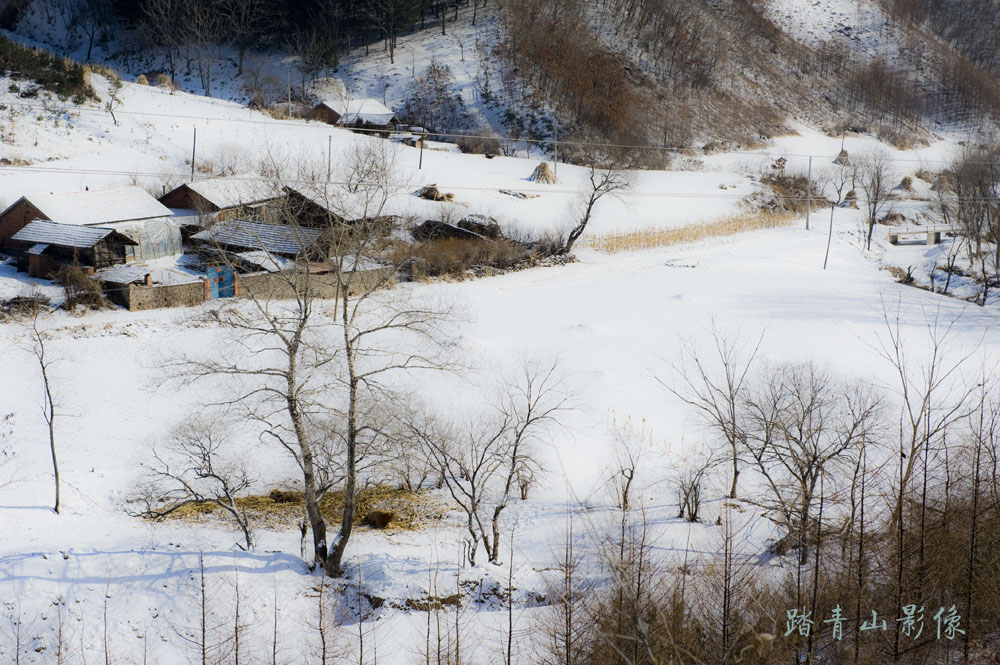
[837,181]
[875,180]
[191,471]
[803,424]
[49,411]
[246,21]
[480,466]
[161,25]
[975,177]
[688,482]
[92,17]
[716,389]
[601,182]
[313,356]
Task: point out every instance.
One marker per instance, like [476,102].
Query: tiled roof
[122,274]
[64,235]
[283,240]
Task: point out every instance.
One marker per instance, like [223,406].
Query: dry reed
[641,239]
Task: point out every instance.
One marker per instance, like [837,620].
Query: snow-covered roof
[288,240]
[265,260]
[92,207]
[233,191]
[350,206]
[64,235]
[122,274]
[360,110]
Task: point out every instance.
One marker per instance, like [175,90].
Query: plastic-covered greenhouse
[156,237]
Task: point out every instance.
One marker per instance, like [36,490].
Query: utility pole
[329,156]
[194,150]
[422,139]
[555,149]
[809,189]
[288,75]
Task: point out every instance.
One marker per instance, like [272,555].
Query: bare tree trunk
[48,406]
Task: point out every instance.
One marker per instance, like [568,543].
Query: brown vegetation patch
[80,288]
[455,257]
[792,193]
[649,238]
[284,508]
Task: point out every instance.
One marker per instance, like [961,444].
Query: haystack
[432,193]
[842,158]
[543,174]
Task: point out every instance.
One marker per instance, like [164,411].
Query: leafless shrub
[191,469]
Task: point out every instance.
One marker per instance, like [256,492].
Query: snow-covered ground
[613,323]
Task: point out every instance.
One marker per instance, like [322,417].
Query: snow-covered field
[612,322]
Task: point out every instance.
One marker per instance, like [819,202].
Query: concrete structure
[933,232]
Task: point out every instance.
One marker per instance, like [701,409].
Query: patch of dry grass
[633,241]
[412,510]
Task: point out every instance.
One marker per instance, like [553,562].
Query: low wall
[140,297]
[284,285]
[262,285]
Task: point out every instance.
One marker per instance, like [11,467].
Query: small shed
[52,245]
[236,197]
[242,236]
[364,112]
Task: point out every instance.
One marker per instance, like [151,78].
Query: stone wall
[140,297]
[263,285]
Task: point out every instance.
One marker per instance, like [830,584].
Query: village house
[202,202]
[51,245]
[129,210]
[366,113]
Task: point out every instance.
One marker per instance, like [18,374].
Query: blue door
[221,282]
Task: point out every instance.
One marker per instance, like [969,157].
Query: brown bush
[378,519]
[142,80]
[792,192]
[479,143]
[80,288]
[286,496]
[454,257]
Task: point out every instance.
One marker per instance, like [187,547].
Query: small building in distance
[348,112]
[52,245]
[202,202]
[129,210]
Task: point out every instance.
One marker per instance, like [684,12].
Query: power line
[455,135]
[403,186]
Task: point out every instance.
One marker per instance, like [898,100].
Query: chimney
[149,279]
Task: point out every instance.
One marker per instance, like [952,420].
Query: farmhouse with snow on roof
[353,113]
[129,211]
[202,202]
